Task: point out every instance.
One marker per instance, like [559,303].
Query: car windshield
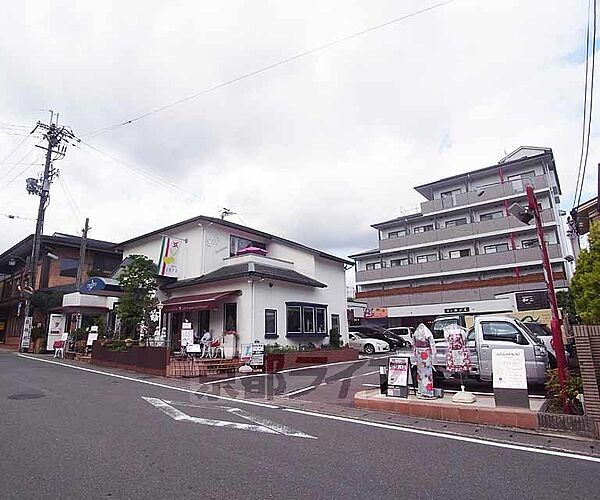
[533,335]
[539,329]
[360,335]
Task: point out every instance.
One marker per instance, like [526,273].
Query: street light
[525,215]
[159,307]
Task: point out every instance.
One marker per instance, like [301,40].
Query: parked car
[404,332]
[498,332]
[366,344]
[391,339]
[545,335]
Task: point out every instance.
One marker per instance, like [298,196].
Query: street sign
[246,353]
[397,376]
[187,334]
[27,327]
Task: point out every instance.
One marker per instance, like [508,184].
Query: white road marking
[279,428]
[371,385]
[308,388]
[452,437]
[156,384]
[264,425]
[355,376]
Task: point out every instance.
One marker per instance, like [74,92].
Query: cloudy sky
[315,150]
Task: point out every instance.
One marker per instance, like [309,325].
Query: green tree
[585,285]
[139,295]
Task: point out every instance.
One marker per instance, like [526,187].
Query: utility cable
[305,53]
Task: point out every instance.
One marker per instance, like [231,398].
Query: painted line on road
[148,382]
[269,424]
[355,376]
[308,388]
[452,437]
[285,371]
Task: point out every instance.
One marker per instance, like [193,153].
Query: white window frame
[453,222]
[402,262]
[481,216]
[426,257]
[495,247]
[459,256]
[421,229]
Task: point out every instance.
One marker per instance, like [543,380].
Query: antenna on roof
[226,212]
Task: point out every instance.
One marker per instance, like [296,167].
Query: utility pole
[82,250]
[55,150]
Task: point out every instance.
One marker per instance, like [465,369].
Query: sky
[315,150]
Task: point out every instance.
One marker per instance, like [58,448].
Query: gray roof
[249,270]
[375,251]
[238,227]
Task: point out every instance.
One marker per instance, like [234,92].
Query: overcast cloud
[315,150]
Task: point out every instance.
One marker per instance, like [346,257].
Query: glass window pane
[309,319]
[230,317]
[294,323]
[321,320]
[270,321]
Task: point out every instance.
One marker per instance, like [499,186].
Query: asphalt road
[70,433]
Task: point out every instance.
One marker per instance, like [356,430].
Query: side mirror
[519,339]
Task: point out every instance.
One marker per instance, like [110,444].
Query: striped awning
[198,302]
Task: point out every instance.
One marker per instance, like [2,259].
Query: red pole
[557,340]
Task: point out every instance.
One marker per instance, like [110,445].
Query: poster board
[56,327]
[187,334]
[90,339]
[246,353]
[258,355]
[509,377]
[398,376]
[27,327]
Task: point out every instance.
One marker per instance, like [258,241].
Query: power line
[314,50]
[5,174]
[77,215]
[158,181]
[587,115]
[16,147]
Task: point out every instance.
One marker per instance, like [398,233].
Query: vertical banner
[27,327]
[168,264]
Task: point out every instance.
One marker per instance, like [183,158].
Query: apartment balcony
[465,264]
[495,191]
[464,231]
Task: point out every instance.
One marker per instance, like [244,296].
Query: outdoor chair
[216,348]
[59,348]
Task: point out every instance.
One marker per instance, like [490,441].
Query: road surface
[88,433]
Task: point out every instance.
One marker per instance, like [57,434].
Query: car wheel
[369,349]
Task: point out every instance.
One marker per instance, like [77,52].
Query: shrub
[573,388]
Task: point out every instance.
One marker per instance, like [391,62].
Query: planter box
[284,361]
[152,360]
[578,424]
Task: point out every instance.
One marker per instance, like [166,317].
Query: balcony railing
[466,264]
[500,190]
[464,231]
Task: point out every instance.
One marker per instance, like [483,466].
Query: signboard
[91,338]
[376,312]
[397,377]
[453,310]
[169,252]
[246,353]
[27,327]
[187,334]
[258,354]
[529,301]
[508,367]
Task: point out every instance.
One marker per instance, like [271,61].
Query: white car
[365,344]
[406,332]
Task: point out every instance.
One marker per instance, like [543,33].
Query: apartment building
[462,252]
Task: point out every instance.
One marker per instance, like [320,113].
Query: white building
[462,251]
[229,277]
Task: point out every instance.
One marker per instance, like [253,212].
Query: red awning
[197,302]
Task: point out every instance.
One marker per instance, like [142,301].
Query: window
[294,322]
[105,262]
[457,254]
[450,194]
[530,243]
[522,175]
[423,229]
[426,258]
[373,265]
[335,322]
[230,319]
[499,330]
[500,247]
[399,262]
[491,215]
[456,222]
[308,316]
[321,313]
[271,322]
[395,234]
[304,318]
[236,244]
[68,267]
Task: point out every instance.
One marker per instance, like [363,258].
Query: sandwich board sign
[509,377]
[397,377]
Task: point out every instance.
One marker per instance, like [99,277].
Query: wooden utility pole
[82,249]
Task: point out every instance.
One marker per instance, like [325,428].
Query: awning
[198,302]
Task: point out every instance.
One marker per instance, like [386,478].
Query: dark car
[392,340]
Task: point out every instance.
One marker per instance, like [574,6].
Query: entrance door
[203,322]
